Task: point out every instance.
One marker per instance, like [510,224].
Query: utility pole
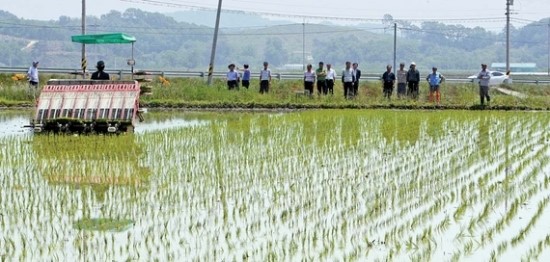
[214,41]
[549,47]
[304,45]
[508,4]
[394,48]
[83,62]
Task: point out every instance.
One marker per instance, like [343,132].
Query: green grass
[194,93]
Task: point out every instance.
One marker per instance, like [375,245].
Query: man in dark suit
[413,78]
[357,75]
[99,74]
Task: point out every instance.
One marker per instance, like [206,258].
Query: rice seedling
[328,185]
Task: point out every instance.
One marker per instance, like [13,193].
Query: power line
[190,5]
[164,29]
[23,25]
[155,31]
[528,22]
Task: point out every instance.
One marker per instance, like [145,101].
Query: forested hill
[50,42]
[165,43]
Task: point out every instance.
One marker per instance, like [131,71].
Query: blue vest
[435,79]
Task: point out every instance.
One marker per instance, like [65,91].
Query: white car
[497,78]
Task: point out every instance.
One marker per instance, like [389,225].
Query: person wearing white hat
[413,77]
[32,74]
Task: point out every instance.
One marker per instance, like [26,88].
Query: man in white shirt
[32,74]
[401,81]
[484,76]
[331,76]
[232,77]
[265,79]
[309,79]
[348,78]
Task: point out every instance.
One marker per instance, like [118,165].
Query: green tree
[275,51]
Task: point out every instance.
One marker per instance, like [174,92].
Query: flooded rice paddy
[314,186]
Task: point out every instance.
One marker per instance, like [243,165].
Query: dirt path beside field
[510,92]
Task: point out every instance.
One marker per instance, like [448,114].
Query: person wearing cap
[232,77]
[413,77]
[484,77]
[321,79]
[401,81]
[246,76]
[32,74]
[99,74]
[435,79]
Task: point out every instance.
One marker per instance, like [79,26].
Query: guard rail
[280,76]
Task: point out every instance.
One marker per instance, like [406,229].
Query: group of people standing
[325,79]
[351,75]
[234,77]
[411,79]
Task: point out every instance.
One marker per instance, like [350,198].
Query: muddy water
[14,122]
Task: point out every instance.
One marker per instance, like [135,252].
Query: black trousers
[309,87]
[232,84]
[246,83]
[413,89]
[348,89]
[330,86]
[355,88]
[322,87]
[388,89]
[264,86]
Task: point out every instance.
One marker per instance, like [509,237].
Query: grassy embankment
[194,93]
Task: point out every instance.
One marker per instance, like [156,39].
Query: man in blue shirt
[246,76]
[434,79]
